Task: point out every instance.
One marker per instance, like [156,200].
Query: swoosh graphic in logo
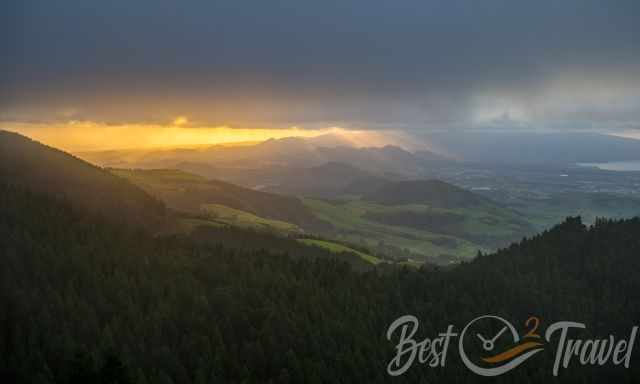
[518,356]
[510,353]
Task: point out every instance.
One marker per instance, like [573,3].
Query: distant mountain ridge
[241,163]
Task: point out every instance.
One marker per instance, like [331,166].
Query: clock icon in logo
[489,344]
[497,362]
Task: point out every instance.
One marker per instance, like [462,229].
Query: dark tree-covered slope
[40,168]
[84,301]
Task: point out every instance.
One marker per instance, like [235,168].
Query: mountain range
[265,161]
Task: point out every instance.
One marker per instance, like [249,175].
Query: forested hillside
[47,170]
[86,301]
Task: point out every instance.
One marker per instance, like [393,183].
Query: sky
[86,70]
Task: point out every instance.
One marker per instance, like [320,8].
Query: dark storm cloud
[368,63]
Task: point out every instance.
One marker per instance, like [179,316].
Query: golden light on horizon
[77,136]
[85,136]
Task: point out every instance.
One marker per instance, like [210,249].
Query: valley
[436,212]
[435,222]
[415,207]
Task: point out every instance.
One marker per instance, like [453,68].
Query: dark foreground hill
[39,168]
[83,301]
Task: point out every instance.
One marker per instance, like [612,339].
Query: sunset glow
[89,136]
